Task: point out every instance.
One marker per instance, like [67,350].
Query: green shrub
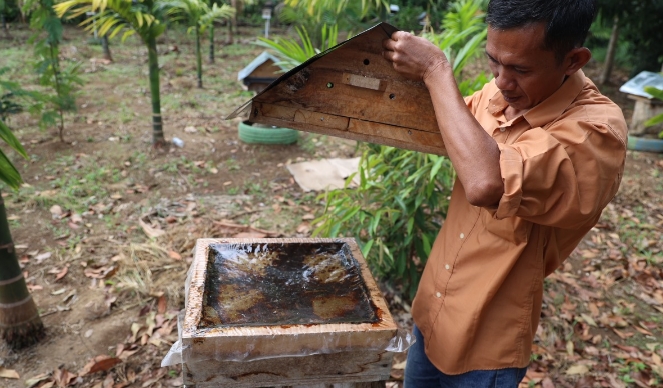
[397,209]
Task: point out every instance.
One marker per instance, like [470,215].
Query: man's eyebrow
[515,65]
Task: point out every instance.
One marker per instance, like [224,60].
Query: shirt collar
[552,107]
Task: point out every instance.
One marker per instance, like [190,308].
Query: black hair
[567,21]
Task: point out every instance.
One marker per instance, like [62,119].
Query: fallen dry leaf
[31,382]
[105,364]
[304,228]
[56,210]
[174,255]
[150,231]
[162,304]
[124,353]
[108,381]
[59,273]
[9,373]
[63,377]
[47,193]
[578,369]
[43,256]
[100,273]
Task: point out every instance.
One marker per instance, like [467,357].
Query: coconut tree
[131,16]
[20,324]
[198,16]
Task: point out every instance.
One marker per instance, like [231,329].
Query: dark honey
[282,284]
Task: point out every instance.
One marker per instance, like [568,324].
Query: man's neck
[511,113]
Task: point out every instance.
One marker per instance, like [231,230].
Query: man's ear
[576,59]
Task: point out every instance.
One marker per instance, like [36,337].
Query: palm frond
[8,172]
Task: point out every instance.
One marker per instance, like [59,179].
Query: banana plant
[131,16]
[20,324]
[198,16]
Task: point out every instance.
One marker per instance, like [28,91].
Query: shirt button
[437,294]
[462,235]
[502,129]
[447,267]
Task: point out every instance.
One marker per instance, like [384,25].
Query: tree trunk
[5,28]
[211,43]
[20,324]
[230,33]
[211,36]
[104,45]
[55,62]
[232,22]
[199,60]
[610,55]
[158,139]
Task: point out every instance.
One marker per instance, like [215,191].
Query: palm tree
[198,16]
[140,16]
[211,36]
[348,15]
[20,324]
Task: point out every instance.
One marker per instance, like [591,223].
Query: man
[539,153]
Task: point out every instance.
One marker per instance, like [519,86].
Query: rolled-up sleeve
[560,176]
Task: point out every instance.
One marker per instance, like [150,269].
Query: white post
[267,15]
[94,23]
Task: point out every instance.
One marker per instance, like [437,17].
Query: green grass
[14,59]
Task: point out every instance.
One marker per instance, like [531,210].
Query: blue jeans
[420,373]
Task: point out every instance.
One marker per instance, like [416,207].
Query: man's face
[524,71]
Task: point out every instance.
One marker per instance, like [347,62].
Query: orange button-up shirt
[479,300]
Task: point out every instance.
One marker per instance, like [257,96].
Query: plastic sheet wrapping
[269,298]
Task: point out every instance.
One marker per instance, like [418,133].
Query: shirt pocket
[512,229]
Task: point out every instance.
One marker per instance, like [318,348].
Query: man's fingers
[388,44]
[388,55]
[398,35]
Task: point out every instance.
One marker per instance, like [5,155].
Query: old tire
[645,144]
[257,135]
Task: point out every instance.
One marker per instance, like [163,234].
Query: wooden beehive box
[261,72]
[275,312]
[351,91]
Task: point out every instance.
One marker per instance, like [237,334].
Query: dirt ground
[105,226]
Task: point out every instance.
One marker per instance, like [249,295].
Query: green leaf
[53,26]
[366,248]
[426,243]
[657,93]
[654,120]
[8,173]
[8,137]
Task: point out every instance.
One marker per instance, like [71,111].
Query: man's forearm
[473,152]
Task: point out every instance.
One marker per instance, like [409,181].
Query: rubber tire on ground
[256,135]
[645,144]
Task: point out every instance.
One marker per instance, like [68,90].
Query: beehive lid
[351,91]
[258,298]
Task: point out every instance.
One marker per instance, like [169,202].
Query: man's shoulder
[593,107]
[483,95]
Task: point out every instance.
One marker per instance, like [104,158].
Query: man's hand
[414,57]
